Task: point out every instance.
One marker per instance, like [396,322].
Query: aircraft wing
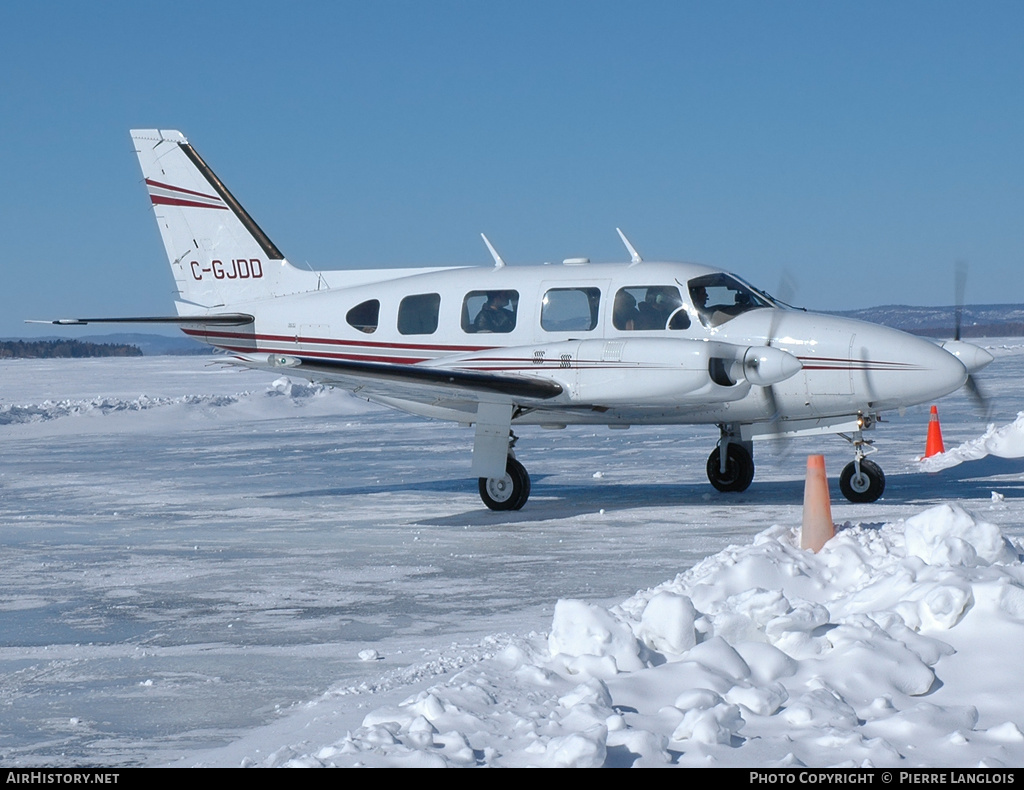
[424,383]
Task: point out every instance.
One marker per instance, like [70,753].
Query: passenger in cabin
[659,303]
[495,315]
[624,314]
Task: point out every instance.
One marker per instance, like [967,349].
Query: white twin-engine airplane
[639,343]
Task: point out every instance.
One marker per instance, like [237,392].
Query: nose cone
[903,370]
[973,357]
[764,365]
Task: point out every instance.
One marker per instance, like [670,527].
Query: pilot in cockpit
[699,295]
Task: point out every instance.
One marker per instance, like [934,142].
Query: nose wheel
[862,480]
[509,492]
[864,484]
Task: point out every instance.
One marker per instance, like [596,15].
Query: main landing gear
[731,465]
[510,491]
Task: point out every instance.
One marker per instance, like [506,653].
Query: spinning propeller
[786,292]
[973,357]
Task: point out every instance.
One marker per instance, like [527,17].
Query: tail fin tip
[159,135]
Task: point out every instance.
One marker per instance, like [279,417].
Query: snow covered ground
[204,568]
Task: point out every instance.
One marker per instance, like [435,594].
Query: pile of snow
[1004,442]
[895,645]
[54,410]
[13,414]
[297,390]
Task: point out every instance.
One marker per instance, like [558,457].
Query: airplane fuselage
[565,329]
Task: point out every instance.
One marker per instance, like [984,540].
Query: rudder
[218,254]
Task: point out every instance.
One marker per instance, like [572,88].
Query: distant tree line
[48,349]
[1008,329]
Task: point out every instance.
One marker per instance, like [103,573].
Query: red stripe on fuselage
[291,352]
[327,341]
[819,363]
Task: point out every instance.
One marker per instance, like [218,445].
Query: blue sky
[862,148]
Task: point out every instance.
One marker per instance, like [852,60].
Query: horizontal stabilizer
[509,386]
[217,319]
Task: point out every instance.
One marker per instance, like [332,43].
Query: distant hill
[150,345]
[993,320]
[48,349]
[157,345]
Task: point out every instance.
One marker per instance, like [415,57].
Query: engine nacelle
[665,371]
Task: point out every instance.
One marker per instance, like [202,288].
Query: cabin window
[720,297]
[649,307]
[490,311]
[364,316]
[570,309]
[417,314]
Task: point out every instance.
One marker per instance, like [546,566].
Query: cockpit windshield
[721,297]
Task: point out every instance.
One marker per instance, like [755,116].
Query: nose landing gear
[862,480]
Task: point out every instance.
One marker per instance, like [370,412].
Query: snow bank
[13,414]
[1004,442]
[887,648]
[54,410]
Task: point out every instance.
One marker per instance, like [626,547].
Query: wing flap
[427,380]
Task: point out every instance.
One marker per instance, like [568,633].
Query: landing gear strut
[861,480]
[734,471]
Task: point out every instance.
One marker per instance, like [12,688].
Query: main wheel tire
[865,487]
[509,492]
[739,468]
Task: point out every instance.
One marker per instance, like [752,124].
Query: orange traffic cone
[934,444]
[817,526]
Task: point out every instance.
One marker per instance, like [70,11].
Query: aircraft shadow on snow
[973,480]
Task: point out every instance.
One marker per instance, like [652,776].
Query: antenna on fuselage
[634,256]
[319,277]
[498,262]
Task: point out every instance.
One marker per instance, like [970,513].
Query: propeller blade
[959,286]
[982,404]
[863,356]
[787,289]
[779,443]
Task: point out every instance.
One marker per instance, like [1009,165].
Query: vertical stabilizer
[218,254]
